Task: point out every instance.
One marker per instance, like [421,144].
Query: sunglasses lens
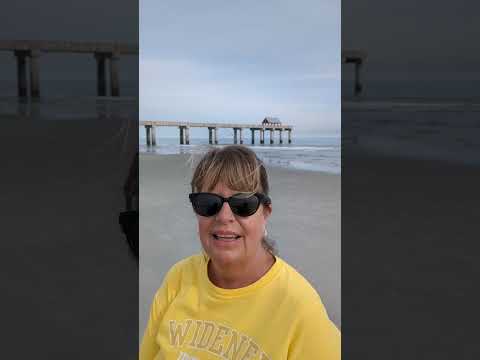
[244,206]
[206,204]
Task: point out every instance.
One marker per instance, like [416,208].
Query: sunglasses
[208,204]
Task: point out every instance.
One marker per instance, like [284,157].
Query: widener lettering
[216,346]
[177,336]
[217,339]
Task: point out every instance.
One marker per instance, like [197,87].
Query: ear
[267,211]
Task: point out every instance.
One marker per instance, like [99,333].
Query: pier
[184,131]
[356,57]
[29,52]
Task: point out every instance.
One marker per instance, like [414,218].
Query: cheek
[254,227]
[203,227]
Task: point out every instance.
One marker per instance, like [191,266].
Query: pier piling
[114,77]
[262,136]
[148,136]
[101,75]
[153,136]
[210,135]
[181,135]
[356,57]
[187,135]
[358,85]
[34,73]
[21,72]
[253,136]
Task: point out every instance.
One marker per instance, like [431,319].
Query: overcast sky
[224,61]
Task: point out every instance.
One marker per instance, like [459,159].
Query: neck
[234,276]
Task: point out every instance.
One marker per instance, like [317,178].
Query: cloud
[263,31]
[240,61]
[188,91]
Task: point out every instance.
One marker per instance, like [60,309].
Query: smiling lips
[225,235]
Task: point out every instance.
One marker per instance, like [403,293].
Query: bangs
[236,167]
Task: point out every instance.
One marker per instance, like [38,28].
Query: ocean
[321,153]
[419,126]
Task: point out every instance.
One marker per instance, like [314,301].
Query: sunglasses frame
[262,199]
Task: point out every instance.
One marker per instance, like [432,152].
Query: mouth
[226,237]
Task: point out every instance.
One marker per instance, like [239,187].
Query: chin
[224,256]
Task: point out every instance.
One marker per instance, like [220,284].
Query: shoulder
[185,268]
[183,271]
[299,290]
[311,320]
[178,276]
[301,296]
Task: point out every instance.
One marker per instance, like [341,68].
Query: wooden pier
[184,132]
[28,52]
[356,57]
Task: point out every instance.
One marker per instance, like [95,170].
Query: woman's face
[230,239]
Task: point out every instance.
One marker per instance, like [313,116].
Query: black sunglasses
[208,204]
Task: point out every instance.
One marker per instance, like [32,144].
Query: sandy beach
[305,224]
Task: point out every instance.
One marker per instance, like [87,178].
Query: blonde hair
[238,168]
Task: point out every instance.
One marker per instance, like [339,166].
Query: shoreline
[270,167]
[312,157]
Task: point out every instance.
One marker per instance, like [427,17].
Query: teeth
[230,237]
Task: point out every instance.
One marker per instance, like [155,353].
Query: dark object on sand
[129,219]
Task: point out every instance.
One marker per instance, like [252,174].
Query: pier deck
[212,131]
[28,52]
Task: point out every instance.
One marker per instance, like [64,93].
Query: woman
[237,300]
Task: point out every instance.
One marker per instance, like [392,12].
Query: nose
[225,214]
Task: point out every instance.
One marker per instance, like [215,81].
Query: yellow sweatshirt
[280,316]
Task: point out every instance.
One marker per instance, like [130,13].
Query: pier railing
[184,133]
